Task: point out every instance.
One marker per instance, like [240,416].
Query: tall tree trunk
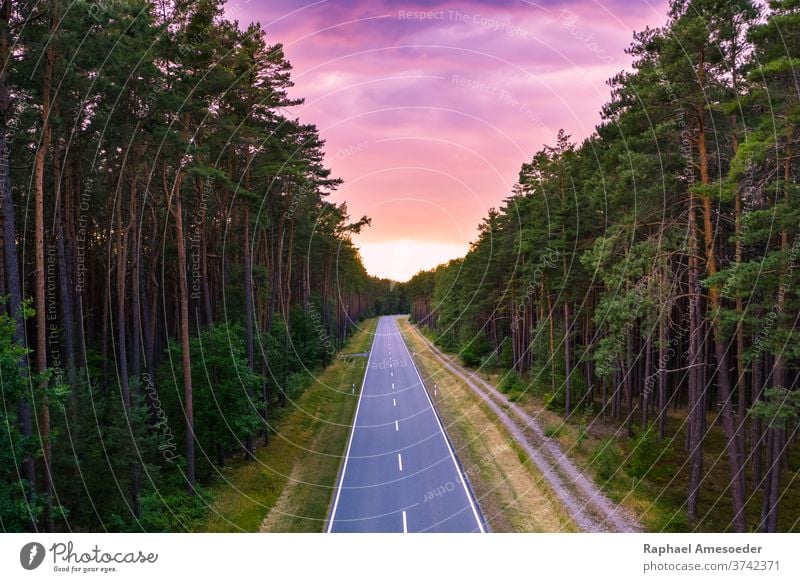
[204,284]
[41,283]
[11,259]
[64,287]
[122,340]
[694,400]
[551,320]
[741,377]
[628,383]
[183,300]
[567,363]
[769,514]
[735,460]
[757,437]
[122,272]
[135,282]
[662,378]
[647,385]
[248,316]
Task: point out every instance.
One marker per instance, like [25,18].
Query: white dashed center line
[396,426]
[400,461]
[405,523]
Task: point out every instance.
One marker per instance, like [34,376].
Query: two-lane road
[400,473]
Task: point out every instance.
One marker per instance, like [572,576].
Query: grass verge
[289,486]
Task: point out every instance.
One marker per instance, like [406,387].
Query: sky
[429,108]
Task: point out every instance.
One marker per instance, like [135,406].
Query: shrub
[606,459]
[474,349]
[583,434]
[491,362]
[552,431]
[557,401]
[677,522]
[513,386]
[645,453]
[162,511]
[506,355]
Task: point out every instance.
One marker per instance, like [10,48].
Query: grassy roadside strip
[289,487]
[513,495]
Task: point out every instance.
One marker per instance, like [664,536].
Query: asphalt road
[400,473]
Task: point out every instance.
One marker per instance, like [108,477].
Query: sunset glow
[440,102]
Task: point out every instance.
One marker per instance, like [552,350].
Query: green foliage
[553,431]
[168,509]
[778,407]
[583,434]
[506,355]
[577,390]
[513,386]
[14,510]
[475,348]
[227,394]
[646,451]
[606,459]
[97,459]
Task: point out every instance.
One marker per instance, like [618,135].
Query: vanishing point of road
[400,473]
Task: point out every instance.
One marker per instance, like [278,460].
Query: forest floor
[600,450]
[513,493]
[289,486]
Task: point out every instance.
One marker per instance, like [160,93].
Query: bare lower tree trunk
[627,381]
[41,283]
[551,319]
[662,379]
[204,284]
[647,385]
[186,361]
[248,317]
[695,400]
[757,437]
[567,363]
[772,486]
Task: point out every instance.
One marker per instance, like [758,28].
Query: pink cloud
[429,118]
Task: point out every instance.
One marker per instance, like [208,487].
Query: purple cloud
[429,107]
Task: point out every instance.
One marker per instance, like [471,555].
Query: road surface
[400,473]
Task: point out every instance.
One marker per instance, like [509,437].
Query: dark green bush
[606,459]
[513,386]
[645,453]
[474,348]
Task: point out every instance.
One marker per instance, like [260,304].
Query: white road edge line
[353,430]
[400,461]
[446,441]
[405,523]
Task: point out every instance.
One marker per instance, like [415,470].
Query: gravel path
[588,506]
